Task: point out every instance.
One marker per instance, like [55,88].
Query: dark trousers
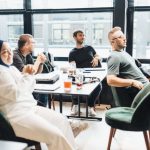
[42,99]
[132,92]
[91,99]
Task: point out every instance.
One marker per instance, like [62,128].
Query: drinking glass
[79,79]
[67,84]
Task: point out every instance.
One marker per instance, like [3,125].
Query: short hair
[23,39]
[111,32]
[76,32]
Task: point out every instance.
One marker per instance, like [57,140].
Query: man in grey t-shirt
[122,70]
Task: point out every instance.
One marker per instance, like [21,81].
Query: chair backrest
[141,104]
[141,95]
[121,97]
[6,130]
[7,133]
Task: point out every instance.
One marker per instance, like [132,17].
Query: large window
[54,31]
[11,4]
[11,28]
[141,44]
[142,2]
[56,4]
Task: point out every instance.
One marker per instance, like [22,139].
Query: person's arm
[11,85]
[18,62]
[96,58]
[38,65]
[113,80]
[114,63]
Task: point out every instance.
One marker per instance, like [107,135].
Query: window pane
[141,40]
[55,32]
[11,28]
[40,4]
[142,2]
[11,4]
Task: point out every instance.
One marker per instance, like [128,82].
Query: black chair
[106,96]
[121,97]
[7,133]
[134,118]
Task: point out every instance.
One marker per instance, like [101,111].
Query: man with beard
[84,57]
[122,70]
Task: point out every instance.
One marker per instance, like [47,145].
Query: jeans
[91,99]
[42,99]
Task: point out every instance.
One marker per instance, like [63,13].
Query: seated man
[20,109]
[122,70]
[83,57]
[22,57]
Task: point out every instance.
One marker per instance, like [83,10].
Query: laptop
[47,78]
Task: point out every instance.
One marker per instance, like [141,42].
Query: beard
[80,42]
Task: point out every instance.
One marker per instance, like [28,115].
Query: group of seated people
[40,123]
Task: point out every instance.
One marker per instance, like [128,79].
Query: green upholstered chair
[134,118]
[7,133]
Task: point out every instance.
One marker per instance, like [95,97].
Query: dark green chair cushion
[119,117]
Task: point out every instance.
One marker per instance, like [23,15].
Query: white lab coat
[27,119]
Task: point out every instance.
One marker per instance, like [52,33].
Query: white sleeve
[13,84]
[8,87]
[24,80]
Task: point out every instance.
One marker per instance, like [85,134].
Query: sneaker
[78,126]
[91,112]
[74,110]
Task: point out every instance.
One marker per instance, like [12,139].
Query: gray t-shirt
[121,64]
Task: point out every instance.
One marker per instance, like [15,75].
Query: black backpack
[47,66]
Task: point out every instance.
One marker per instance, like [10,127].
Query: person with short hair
[23,57]
[84,56]
[122,70]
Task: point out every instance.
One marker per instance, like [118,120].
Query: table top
[87,89]
[9,145]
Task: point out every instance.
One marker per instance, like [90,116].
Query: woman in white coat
[19,107]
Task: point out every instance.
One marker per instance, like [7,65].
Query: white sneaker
[74,110]
[78,126]
[91,112]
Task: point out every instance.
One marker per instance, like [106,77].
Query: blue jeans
[41,98]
